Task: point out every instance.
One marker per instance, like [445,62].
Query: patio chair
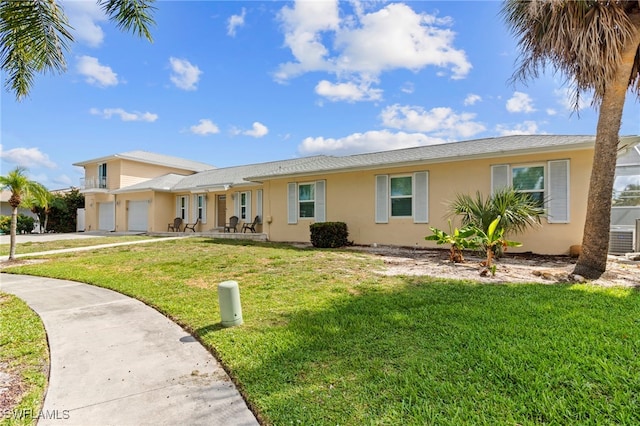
[175,226]
[251,226]
[192,227]
[233,223]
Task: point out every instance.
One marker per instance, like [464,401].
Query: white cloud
[84,17]
[472,99]
[63,180]
[234,22]
[367,44]
[371,141]
[520,102]
[95,73]
[407,87]
[442,122]
[124,115]
[258,130]
[204,127]
[525,128]
[27,157]
[350,92]
[184,74]
[551,111]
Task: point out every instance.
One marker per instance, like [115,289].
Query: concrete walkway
[116,361]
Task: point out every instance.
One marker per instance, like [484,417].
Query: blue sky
[234,82]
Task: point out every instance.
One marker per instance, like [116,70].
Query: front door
[221,212]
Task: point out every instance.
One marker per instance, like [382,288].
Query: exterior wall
[91,201]
[350,198]
[132,172]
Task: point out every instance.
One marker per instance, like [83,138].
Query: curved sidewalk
[116,361]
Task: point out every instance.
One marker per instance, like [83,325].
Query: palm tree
[517,210]
[42,203]
[596,45]
[22,188]
[35,33]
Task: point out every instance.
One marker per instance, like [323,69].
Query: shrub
[24,225]
[329,234]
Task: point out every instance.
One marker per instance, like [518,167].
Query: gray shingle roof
[234,176]
[479,148]
[153,158]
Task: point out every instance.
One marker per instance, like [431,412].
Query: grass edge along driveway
[326,340]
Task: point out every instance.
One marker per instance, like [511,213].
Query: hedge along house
[393,197]
[106,175]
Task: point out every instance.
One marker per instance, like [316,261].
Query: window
[243,205]
[182,207]
[201,208]
[404,196]
[306,201]
[548,183]
[401,196]
[102,175]
[529,180]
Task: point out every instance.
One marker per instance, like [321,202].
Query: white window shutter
[421,197]
[558,192]
[177,206]
[382,199]
[320,207]
[249,217]
[259,203]
[292,203]
[236,204]
[499,177]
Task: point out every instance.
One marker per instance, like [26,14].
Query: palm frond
[131,15]
[33,37]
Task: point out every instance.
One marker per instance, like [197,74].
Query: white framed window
[548,183]
[242,205]
[182,207]
[102,175]
[529,179]
[402,196]
[306,200]
[201,208]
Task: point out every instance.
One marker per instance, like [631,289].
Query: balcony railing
[93,183]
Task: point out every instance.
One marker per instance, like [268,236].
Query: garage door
[138,215]
[106,217]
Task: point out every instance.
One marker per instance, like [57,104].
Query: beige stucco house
[389,197]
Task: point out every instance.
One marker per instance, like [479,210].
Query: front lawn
[326,340]
[24,362]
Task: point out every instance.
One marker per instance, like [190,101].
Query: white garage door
[106,217]
[138,215]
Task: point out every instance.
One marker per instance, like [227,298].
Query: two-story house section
[104,175]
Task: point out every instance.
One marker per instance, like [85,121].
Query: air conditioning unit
[621,241]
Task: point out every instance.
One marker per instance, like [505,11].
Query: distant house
[389,197]
[625,212]
[6,209]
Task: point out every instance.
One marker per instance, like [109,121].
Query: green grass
[328,341]
[37,246]
[23,352]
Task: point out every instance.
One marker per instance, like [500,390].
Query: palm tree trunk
[12,233]
[595,240]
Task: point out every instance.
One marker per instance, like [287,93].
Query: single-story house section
[389,197]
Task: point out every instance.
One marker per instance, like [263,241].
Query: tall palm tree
[35,33]
[596,45]
[21,188]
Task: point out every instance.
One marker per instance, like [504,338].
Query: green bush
[329,234]
[24,225]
